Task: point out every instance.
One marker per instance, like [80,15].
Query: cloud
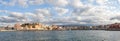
[36,2]
[7,19]
[117,17]
[30,14]
[94,15]
[11,3]
[58,2]
[60,20]
[37,15]
[16,14]
[23,3]
[30,2]
[61,11]
[76,3]
[12,17]
[62,2]
[101,2]
[119,1]
[43,12]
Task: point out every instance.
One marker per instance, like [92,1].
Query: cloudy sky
[89,12]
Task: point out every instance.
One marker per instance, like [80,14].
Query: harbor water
[73,35]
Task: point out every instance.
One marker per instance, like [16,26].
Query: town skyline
[60,12]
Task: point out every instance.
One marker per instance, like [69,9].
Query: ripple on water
[78,35]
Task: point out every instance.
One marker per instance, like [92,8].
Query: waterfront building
[54,27]
[17,26]
[115,26]
[2,28]
[33,26]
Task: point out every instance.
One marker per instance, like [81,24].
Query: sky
[60,12]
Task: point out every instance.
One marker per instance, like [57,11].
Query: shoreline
[49,30]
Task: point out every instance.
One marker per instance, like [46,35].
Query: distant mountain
[77,25]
